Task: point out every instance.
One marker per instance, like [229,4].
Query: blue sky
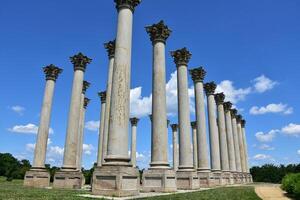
[249,48]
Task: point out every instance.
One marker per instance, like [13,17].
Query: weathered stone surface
[116,181]
[68,180]
[159,180]
[204,178]
[215,179]
[187,180]
[37,179]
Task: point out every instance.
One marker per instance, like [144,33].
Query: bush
[291,184]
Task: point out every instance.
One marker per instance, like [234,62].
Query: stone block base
[68,180]
[159,180]
[118,181]
[187,180]
[204,178]
[225,178]
[215,179]
[231,178]
[237,179]
[249,178]
[37,179]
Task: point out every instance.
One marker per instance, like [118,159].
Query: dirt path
[270,192]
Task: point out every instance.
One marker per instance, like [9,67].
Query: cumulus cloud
[30,147]
[232,94]
[266,137]
[266,147]
[263,84]
[291,129]
[92,125]
[272,108]
[87,149]
[298,152]
[18,109]
[261,157]
[28,129]
[139,106]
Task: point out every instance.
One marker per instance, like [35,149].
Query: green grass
[15,191]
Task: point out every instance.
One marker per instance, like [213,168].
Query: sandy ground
[270,192]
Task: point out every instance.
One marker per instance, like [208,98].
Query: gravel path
[270,192]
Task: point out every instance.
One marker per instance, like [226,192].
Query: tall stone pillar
[38,176]
[230,141]
[242,149]
[69,176]
[219,98]
[186,170]
[249,176]
[103,97]
[213,134]
[236,146]
[198,75]
[175,146]
[110,47]
[117,177]
[85,86]
[134,121]
[159,166]
[195,149]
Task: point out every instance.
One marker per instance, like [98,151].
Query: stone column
[110,47]
[230,141]
[117,162]
[38,167]
[175,146]
[85,86]
[134,121]
[198,75]
[100,159]
[159,166]
[236,141]
[185,168]
[249,176]
[213,135]
[67,176]
[195,149]
[241,145]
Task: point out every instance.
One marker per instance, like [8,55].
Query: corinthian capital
[210,88]
[181,56]
[80,61]
[110,48]
[239,118]
[227,106]
[219,98]
[86,102]
[52,72]
[134,121]
[130,4]
[198,74]
[158,32]
[194,125]
[85,86]
[243,123]
[174,127]
[102,96]
[233,113]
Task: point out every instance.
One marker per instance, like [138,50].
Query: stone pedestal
[187,180]
[204,178]
[231,178]
[159,180]
[37,178]
[116,181]
[215,179]
[225,179]
[250,180]
[68,180]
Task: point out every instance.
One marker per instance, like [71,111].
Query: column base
[244,177]
[117,181]
[215,179]
[204,177]
[225,178]
[159,180]
[187,180]
[249,178]
[68,180]
[37,178]
[231,178]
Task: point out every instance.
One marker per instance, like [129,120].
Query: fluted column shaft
[101,154]
[117,149]
[246,148]
[80,133]
[230,140]
[175,146]
[134,122]
[236,144]
[241,145]
[43,131]
[195,149]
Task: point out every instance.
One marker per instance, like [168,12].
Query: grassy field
[15,191]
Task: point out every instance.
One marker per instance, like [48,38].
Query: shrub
[291,184]
[297,190]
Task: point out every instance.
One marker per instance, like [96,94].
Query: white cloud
[29,129]
[261,157]
[291,129]
[266,137]
[266,147]
[263,84]
[139,106]
[92,125]
[30,147]
[272,108]
[55,151]
[87,149]
[18,109]
[232,94]
[298,152]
